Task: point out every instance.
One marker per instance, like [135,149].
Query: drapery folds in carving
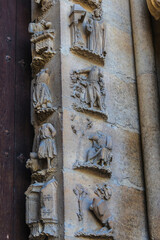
[154,8]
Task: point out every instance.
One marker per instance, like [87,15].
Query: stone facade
[86,161]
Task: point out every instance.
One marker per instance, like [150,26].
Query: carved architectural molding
[154,8]
[99,155]
[88,34]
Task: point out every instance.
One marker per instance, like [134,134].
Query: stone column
[149,110]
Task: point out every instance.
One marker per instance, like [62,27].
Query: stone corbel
[154,8]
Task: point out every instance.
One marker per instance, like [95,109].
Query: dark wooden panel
[7,98]
[23,128]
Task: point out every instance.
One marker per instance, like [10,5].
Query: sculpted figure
[39,27]
[96,31]
[47,147]
[93,91]
[42,100]
[77,16]
[100,152]
[100,208]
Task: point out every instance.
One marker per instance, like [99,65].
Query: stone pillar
[149,110]
[86,158]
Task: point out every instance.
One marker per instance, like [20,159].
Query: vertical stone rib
[149,110]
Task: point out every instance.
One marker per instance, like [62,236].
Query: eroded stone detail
[43,40]
[99,156]
[45,4]
[81,193]
[100,208]
[93,4]
[46,150]
[88,34]
[42,100]
[41,209]
[89,91]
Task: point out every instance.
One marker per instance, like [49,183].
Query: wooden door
[15,129]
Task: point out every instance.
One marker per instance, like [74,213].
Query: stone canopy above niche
[88,34]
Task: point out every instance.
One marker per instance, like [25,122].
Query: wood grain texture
[15,129]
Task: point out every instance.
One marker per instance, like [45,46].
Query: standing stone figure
[96,31]
[42,100]
[93,91]
[47,147]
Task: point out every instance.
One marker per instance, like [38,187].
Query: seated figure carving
[99,155]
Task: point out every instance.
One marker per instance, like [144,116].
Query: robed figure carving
[42,100]
[96,31]
[93,95]
[47,145]
[100,152]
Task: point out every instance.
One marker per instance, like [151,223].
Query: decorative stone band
[154,8]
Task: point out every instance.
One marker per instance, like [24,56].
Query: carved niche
[154,8]
[45,4]
[99,155]
[44,152]
[88,33]
[101,211]
[42,100]
[89,91]
[41,210]
[43,41]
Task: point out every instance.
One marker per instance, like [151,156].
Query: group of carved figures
[89,93]
[88,33]
[41,196]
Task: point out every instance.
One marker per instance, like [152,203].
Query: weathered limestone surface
[127,204]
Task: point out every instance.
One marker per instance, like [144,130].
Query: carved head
[97,14]
[43,76]
[103,191]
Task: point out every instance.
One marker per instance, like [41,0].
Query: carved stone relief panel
[88,33]
[41,209]
[43,42]
[93,4]
[89,91]
[99,155]
[101,211]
